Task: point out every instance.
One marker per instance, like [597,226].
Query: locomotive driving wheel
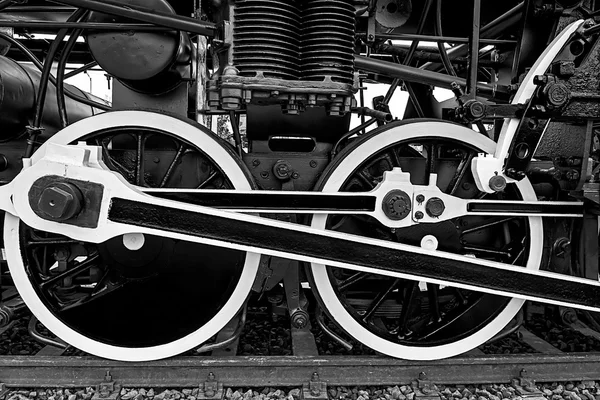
[137,297]
[408,319]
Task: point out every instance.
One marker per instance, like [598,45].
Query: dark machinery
[421,238]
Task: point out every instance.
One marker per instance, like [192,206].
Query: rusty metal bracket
[211,388]
[424,389]
[315,388]
[107,389]
[525,386]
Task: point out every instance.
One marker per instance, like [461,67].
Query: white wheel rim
[230,168]
[337,310]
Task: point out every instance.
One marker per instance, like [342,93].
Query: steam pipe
[411,74]
[18,87]
[176,22]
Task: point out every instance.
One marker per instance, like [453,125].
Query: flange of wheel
[138,297]
[415,320]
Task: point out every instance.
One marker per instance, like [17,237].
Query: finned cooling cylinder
[327,50]
[267,38]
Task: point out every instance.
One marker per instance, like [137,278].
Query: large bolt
[557,94]
[60,201]
[396,205]
[435,207]
[282,170]
[474,110]
[300,319]
[497,183]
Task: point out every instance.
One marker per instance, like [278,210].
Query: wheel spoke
[394,156]
[461,170]
[434,302]
[367,179]
[379,300]
[359,276]
[173,165]
[489,251]
[212,176]
[431,150]
[410,294]
[487,224]
[139,159]
[77,269]
[51,242]
[110,161]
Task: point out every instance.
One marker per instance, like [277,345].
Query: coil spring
[327,50]
[267,38]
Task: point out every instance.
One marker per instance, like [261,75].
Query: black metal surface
[333,249]
[267,38]
[525,208]
[149,62]
[328,28]
[258,201]
[523,146]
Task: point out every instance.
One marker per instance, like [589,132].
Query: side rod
[112,208]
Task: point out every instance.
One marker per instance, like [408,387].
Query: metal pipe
[235,336]
[494,28]
[43,25]
[474,50]
[433,38]
[42,89]
[417,75]
[354,131]
[411,52]
[5,3]
[329,332]
[369,112]
[441,46]
[32,329]
[176,22]
[60,78]
[81,69]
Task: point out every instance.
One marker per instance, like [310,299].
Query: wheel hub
[396,205]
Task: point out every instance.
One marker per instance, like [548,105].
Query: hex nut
[60,201]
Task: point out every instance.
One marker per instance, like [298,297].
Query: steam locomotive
[134,232]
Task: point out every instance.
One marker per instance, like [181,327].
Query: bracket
[424,389]
[211,388]
[525,386]
[315,389]
[107,389]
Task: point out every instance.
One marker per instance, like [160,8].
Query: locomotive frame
[467,208]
